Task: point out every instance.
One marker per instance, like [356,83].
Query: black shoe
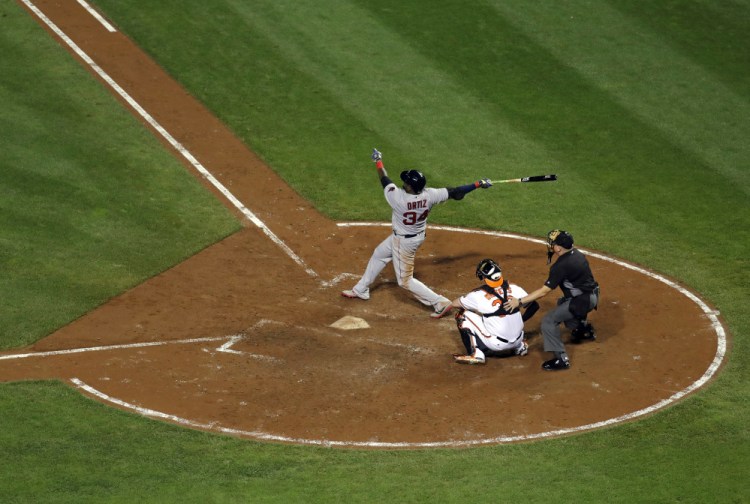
[556,364]
[585,333]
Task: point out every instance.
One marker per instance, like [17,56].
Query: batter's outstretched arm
[458,193]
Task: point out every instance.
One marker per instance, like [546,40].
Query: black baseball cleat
[556,364]
[585,333]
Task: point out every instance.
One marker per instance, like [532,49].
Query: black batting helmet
[415,179]
[489,271]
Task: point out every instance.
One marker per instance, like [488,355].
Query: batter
[411,205]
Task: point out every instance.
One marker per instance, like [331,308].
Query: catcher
[571,272]
[486,327]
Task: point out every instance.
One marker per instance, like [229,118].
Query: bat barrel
[533,178]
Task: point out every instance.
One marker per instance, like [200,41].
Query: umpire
[570,272]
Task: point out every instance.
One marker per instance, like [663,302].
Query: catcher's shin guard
[468,340]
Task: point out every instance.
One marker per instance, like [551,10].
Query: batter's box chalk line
[337,279]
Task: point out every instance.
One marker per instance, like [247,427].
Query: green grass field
[641,108]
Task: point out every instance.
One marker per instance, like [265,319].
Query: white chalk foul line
[111,347]
[169,138]
[97,16]
[224,348]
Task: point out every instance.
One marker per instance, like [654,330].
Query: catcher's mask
[489,271]
[558,237]
[415,179]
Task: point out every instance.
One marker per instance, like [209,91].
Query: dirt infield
[239,338]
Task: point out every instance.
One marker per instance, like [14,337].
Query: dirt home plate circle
[324,370]
[251,338]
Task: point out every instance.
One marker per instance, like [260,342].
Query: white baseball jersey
[410,211]
[508,327]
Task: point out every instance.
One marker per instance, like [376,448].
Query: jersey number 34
[411,217]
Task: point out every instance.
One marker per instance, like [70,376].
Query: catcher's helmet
[415,179]
[558,237]
[489,271]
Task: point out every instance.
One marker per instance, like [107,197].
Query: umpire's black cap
[564,239]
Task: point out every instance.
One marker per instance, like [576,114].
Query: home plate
[350,322]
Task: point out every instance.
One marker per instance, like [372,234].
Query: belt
[408,236]
[507,341]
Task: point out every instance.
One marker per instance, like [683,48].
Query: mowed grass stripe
[354,95]
[619,153]
[715,35]
[652,78]
[408,101]
[90,202]
[295,124]
[471,60]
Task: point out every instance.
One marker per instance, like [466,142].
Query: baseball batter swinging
[411,206]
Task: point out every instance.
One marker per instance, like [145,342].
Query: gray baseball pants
[560,315]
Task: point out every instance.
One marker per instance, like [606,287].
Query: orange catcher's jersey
[410,211]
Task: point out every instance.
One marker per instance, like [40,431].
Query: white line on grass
[169,138]
[97,16]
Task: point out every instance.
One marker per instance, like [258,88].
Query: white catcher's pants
[402,252]
[509,328]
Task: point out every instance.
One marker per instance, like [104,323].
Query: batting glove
[376,155]
[485,183]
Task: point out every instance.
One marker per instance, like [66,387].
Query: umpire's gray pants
[552,320]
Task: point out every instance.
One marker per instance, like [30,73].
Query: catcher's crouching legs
[473,355]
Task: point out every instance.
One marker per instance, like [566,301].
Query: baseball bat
[533,178]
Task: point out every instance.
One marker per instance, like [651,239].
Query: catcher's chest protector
[501,311]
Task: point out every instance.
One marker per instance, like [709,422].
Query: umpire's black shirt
[571,272]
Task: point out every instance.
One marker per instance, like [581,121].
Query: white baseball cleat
[523,350]
[442,312]
[353,295]
[468,359]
